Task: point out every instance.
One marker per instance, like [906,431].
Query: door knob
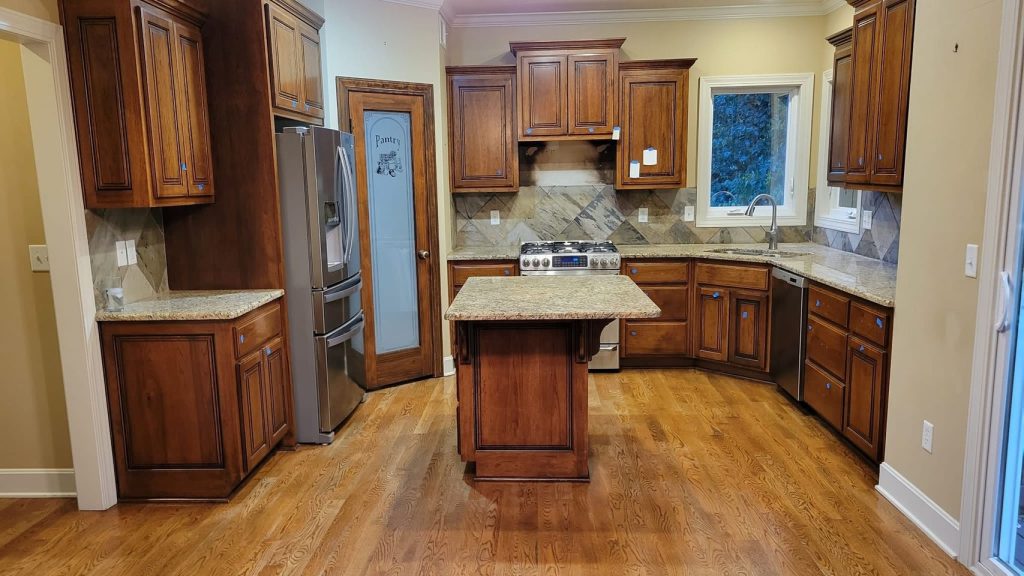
[423,254]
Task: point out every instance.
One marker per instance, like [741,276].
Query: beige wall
[721,47]
[32,414]
[948,145]
[43,9]
[387,41]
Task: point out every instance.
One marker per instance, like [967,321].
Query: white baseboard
[920,509]
[36,483]
[449,366]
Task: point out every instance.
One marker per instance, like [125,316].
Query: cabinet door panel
[748,329]
[592,94]
[285,58]
[897,26]
[161,87]
[656,339]
[484,156]
[673,301]
[255,427]
[278,390]
[842,88]
[865,397]
[712,323]
[543,98]
[862,97]
[195,126]
[824,394]
[312,73]
[826,346]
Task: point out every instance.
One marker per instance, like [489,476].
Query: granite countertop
[551,298]
[192,305]
[870,279]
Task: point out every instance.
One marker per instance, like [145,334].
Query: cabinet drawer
[826,345]
[673,301]
[658,272]
[829,305]
[870,323]
[656,339]
[253,331]
[824,394]
[463,272]
[755,278]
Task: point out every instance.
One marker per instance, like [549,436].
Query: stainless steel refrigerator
[316,172]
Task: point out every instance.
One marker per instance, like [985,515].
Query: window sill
[838,223]
[741,221]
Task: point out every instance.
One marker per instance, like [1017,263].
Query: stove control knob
[526,262]
[536,262]
[614,262]
[604,261]
[545,262]
[593,262]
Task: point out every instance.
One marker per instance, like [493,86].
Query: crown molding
[435,5]
[813,8]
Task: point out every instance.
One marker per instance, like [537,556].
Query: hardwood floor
[692,473]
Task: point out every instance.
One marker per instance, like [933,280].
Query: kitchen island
[523,345]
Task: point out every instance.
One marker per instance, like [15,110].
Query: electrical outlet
[39,258]
[927,432]
[643,215]
[865,219]
[495,217]
[133,255]
[688,214]
[971,261]
[122,253]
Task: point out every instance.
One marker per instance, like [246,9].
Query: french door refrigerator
[316,173]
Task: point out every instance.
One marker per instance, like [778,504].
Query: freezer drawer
[340,373]
[337,305]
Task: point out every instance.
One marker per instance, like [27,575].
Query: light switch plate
[39,258]
[927,434]
[495,217]
[643,215]
[971,261]
[865,219]
[133,255]
[688,214]
[122,253]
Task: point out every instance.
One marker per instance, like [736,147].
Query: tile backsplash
[142,280]
[547,207]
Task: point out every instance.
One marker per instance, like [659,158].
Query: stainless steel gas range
[577,258]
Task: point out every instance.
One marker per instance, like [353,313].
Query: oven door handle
[346,332]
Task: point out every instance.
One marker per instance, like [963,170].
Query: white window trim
[797,216]
[826,213]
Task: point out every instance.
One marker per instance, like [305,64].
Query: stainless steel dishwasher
[789,337]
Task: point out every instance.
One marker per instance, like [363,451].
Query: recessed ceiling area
[466,7]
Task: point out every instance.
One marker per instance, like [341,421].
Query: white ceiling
[465,7]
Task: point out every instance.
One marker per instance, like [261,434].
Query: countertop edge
[260,298]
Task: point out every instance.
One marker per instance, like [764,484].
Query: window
[754,137]
[834,207]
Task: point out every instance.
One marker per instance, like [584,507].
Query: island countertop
[192,305]
[551,298]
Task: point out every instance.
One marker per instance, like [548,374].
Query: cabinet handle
[633,271]
[860,161]
[241,338]
[817,303]
[307,107]
[828,385]
[529,130]
[878,322]
[809,327]
[507,272]
[879,156]
[184,167]
[715,295]
[632,332]
[268,351]
[861,349]
[295,104]
[744,315]
[591,130]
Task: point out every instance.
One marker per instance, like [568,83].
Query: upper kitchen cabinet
[567,89]
[652,115]
[293,39]
[482,138]
[139,93]
[876,90]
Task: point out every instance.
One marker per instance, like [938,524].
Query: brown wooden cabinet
[667,283]
[653,114]
[876,60]
[293,41]
[195,405]
[846,380]
[712,323]
[482,146]
[139,91]
[566,90]
[732,303]
[748,331]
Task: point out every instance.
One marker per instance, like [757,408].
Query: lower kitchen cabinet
[195,406]
[667,283]
[748,329]
[712,323]
[867,388]
[732,304]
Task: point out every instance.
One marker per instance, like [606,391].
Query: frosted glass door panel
[392,230]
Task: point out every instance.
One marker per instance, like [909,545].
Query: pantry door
[392,124]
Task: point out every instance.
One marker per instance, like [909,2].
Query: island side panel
[523,399]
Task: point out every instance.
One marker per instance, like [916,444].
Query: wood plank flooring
[692,473]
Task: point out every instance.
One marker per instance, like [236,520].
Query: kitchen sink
[758,252]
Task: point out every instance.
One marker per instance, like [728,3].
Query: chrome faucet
[773,232]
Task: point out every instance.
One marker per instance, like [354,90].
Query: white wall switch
[688,215]
[495,217]
[39,258]
[133,255]
[122,253]
[643,215]
[927,432]
[971,261]
[865,219]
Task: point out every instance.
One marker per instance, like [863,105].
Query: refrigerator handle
[341,197]
[345,333]
[352,219]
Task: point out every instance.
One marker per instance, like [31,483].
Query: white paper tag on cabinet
[650,156]
[634,169]
[616,133]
